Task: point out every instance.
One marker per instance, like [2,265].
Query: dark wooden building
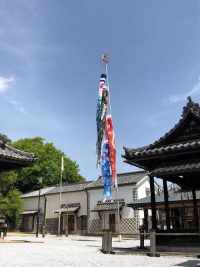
[12,158]
[175,157]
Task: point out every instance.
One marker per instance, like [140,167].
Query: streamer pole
[105,60]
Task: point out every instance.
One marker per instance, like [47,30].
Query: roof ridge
[191,107]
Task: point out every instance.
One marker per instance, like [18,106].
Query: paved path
[77,251]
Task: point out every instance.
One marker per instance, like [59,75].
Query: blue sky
[50,67]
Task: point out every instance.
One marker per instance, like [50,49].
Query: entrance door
[71,222]
[28,223]
[112,222]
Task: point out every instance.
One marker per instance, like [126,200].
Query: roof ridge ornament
[191,107]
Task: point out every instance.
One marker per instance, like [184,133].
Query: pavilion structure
[175,158]
[12,158]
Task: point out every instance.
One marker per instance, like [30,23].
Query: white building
[131,186]
[73,208]
[82,210]
[28,218]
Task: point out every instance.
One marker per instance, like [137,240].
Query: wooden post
[196,217]
[44,222]
[152,243]
[146,219]
[107,242]
[152,235]
[167,215]
[153,203]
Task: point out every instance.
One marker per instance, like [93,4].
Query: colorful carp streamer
[112,148]
[105,169]
[105,146]
[101,115]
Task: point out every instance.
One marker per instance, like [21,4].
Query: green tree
[7,181]
[48,165]
[10,201]
[11,206]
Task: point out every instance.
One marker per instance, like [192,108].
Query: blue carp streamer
[105,169]
[101,115]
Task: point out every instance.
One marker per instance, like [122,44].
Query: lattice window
[135,194]
[88,205]
[94,226]
[129,225]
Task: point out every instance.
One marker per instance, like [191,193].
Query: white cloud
[18,107]
[182,97]
[6,83]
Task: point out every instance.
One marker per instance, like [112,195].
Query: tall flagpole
[105,60]
[60,197]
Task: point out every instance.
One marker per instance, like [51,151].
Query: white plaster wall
[127,212]
[142,186]
[124,192]
[95,196]
[71,197]
[31,203]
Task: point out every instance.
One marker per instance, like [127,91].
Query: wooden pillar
[44,222]
[196,217]
[167,215]
[153,203]
[146,219]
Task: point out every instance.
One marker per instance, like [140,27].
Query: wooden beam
[153,203]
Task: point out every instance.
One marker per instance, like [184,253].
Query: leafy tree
[11,206]
[7,181]
[10,201]
[48,165]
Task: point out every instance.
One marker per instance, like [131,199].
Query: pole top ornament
[105,58]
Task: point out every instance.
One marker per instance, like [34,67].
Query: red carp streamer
[110,136]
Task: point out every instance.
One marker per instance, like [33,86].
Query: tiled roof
[122,179]
[187,165]
[173,197]
[190,108]
[66,210]
[175,148]
[108,206]
[8,153]
[160,147]
[69,188]
[27,212]
[43,191]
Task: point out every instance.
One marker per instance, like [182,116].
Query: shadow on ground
[189,263]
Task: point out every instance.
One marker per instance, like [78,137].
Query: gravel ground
[79,251]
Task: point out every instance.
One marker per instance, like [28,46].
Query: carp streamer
[105,146]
